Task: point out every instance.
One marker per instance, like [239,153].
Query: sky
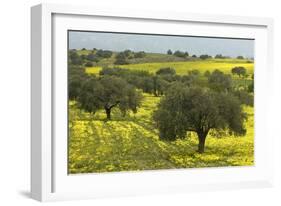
[161,43]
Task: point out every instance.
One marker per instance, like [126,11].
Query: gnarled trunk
[108,109]
[202,138]
[108,113]
[201,145]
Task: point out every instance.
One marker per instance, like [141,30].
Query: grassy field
[132,143]
[183,67]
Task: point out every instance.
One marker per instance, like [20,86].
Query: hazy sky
[160,44]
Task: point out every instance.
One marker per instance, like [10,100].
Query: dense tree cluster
[205,56]
[123,58]
[89,59]
[169,52]
[181,54]
[220,56]
[105,92]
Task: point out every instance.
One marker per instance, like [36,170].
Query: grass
[131,143]
[154,61]
[183,67]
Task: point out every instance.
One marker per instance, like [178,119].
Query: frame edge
[36,117]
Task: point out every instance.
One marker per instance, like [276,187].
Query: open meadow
[132,143]
[183,67]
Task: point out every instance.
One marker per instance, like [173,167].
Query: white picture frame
[49,178]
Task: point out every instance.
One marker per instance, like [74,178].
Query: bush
[240,57]
[104,53]
[140,54]
[220,56]
[169,52]
[181,54]
[88,64]
[204,56]
[166,71]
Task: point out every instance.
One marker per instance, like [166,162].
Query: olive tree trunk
[202,138]
[108,113]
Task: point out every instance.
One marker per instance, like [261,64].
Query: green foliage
[244,97]
[89,64]
[91,57]
[89,97]
[207,73]
[160,85]
[121,59]
[74,58]
[220,56]
[240,57]
[240,71]
[166,71]
[104,53]
[205,56]
[219,81]
[194,72]
[169,52]
[106,93]
[181,54]
[251,87]
[76,76]
[140,54]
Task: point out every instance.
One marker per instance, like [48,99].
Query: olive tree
[240,71]
[219,81]
[76,78]
[196,109]
[166,71]
[107,93]
[169,52]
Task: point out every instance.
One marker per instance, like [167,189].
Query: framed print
[137,102]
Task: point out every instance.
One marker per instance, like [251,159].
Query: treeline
[96,55]
[185,54]
[123,58]
[158,84]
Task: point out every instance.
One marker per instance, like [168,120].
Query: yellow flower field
[181,68]
[131,143]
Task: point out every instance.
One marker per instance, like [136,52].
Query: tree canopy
[169,52]
[107,93]
[181,54]
[240,71]
[166,71]
[219,81]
